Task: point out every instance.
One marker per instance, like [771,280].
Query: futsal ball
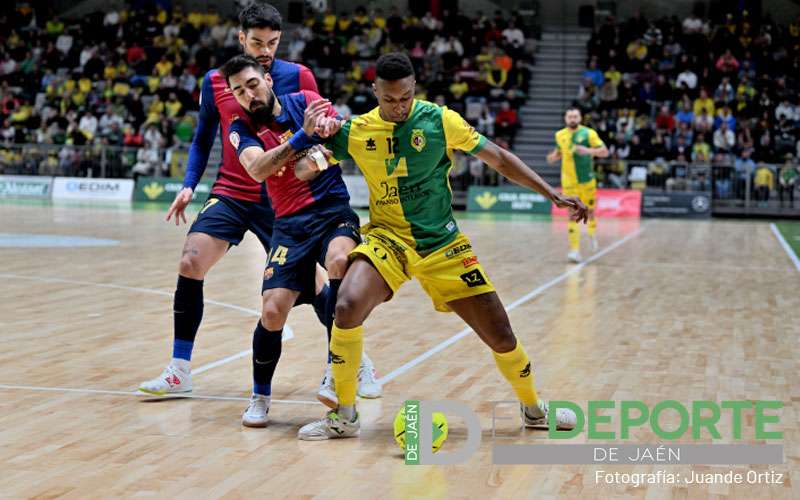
[439,429]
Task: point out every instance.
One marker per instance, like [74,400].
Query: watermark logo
[696,421]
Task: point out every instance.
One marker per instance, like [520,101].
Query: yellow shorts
[449,273]
[586,191]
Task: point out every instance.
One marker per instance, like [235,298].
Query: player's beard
[572,126]
[264,113]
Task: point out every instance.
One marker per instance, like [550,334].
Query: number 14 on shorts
[278,255]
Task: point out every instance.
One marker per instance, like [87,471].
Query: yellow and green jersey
[406,166]
[576,168]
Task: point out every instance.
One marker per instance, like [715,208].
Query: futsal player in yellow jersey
[404,148]
[576,147]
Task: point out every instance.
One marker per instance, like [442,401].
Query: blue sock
[182,349]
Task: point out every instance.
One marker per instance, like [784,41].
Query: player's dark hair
[237,64]
[573,108]
[394,66]
[260,15]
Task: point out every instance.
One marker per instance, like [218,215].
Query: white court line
[220,362]
[288,333]
[525,298]
[786,247]
[141,394]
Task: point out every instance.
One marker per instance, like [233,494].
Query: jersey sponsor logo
[397,249]
[470,261]
[452,252]
[392,195]
[418,139]
[371,146]
[234,139]
[473,278]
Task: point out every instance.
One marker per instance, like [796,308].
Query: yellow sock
[574,233]
[591,226]
[516,368]
[346,346]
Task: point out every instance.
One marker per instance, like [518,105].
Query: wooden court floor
[668,310]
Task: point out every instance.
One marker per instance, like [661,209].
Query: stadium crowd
[132,77]
[672,92]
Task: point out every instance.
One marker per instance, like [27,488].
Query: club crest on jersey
[233,137]
[418,139]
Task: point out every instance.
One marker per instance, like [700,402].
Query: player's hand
[327,126]
[314,153]
[313,113]
[178,207]
[577,210]
[583,150]
[553,156]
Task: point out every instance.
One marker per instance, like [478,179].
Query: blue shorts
[227,219]
[301,240]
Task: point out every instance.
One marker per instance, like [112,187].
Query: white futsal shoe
[327,390]
[535,417]
[330,427]
[574,256]
[368,385]
[594,244]
[256,413]
[173,380]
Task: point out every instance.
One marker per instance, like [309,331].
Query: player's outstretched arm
[598,152]
[199,151]
[511,167]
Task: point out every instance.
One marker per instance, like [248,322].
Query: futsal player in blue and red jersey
[237,203]
[313,219]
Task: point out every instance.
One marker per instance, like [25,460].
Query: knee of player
[272,313]
[190,266]
[504,339]
[337,264]
[347,309]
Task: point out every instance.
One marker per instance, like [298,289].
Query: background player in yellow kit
[576,147]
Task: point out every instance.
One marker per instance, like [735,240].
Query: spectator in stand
[704,102]
[665,122]
[725,115]
[727,63]
[763,183]
[506,123]
[593,74]
[685,114]
[701,151]
[703,122]
[724,139]
[787,181]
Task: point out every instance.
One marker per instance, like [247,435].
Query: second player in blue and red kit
[313,219]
